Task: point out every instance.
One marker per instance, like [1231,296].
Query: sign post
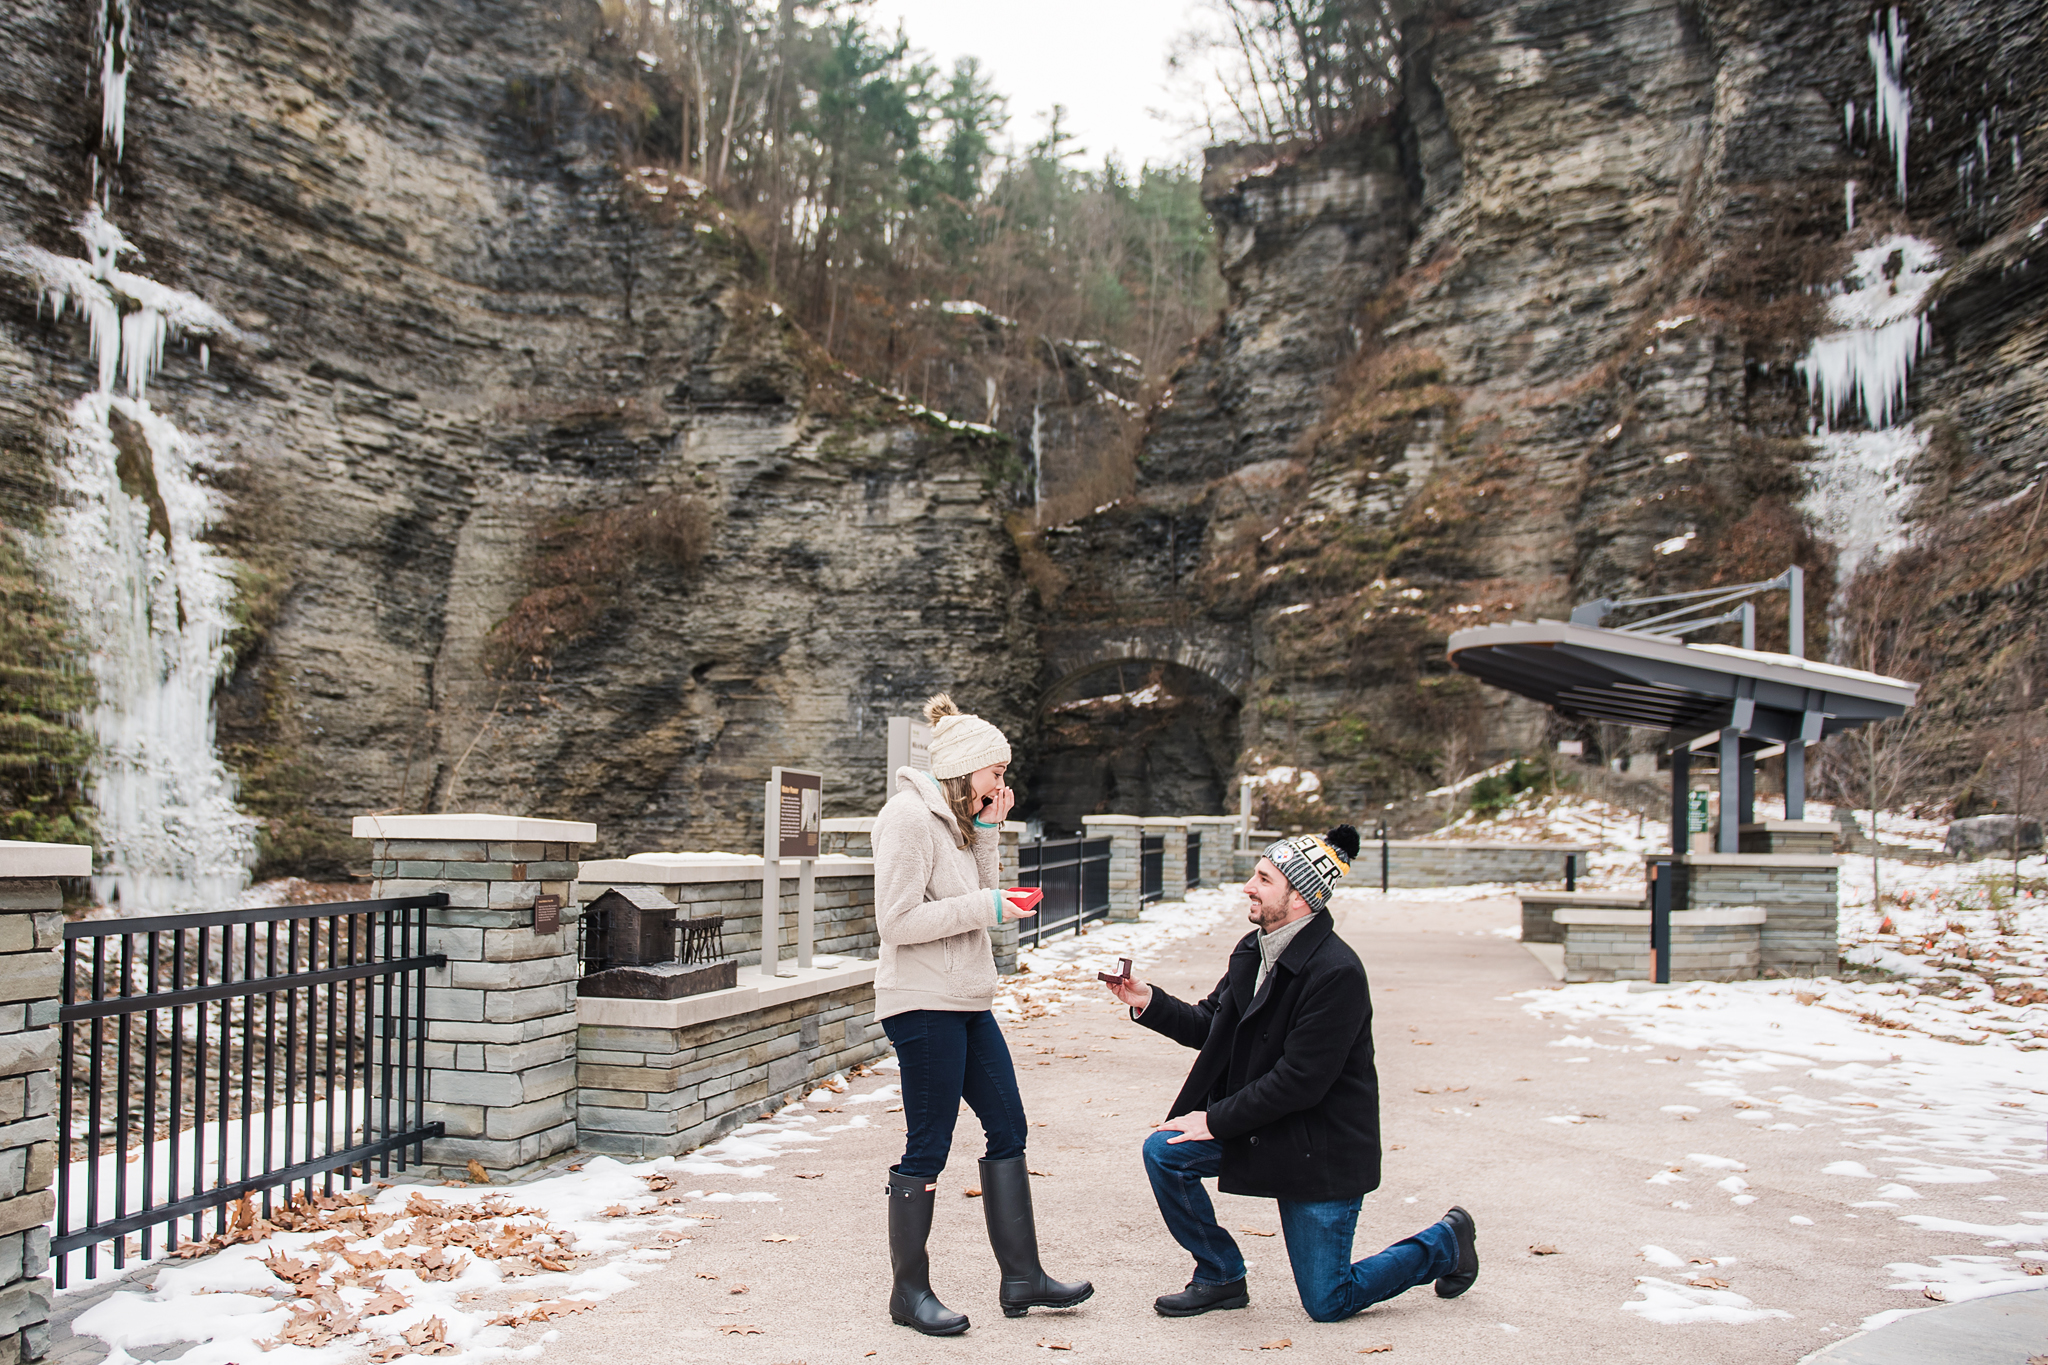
[794,814]
[910,740]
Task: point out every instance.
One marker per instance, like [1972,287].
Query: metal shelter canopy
[1745,703]
[1657,682]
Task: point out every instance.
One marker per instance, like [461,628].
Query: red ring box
[1024,897]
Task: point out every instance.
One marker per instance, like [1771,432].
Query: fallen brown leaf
[1047,1343]
[970,1193]
[810,1175]
[1255,1232]
[477,1172]
[1931,1292]
[740,1329]
[1418,1042]
[2035,1269]
[1276,1344]
[1543,1249]
[737,1289]
[670,1238]
[1707,1282]
[706,1275]
[779,1237]
[1376,1350]
[1047,1175]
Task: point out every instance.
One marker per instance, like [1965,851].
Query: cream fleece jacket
[934,903]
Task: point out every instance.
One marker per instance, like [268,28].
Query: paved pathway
[1468,1081]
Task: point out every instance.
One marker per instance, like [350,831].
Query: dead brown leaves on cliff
[581,564]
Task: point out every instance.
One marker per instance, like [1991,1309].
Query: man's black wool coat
[1286,1076]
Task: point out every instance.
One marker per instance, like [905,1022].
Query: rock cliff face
[1537,336]
[470,350]
[533,505]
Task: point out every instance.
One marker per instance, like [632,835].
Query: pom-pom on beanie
[1313,864]
[961,744]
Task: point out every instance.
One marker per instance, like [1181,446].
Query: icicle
[116,25]
[1894,113]
[1849,194]
[1849,120]
[1864,367]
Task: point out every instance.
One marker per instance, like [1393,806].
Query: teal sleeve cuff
[999,898]
[984,824]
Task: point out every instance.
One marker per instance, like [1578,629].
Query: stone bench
[1539,909]
[1706,945]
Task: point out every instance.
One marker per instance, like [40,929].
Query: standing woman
[938,860]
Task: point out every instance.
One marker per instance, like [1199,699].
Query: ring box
[1121,974]
[1024,897]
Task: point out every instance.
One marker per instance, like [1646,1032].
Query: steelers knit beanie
[961,744]
[1313,864]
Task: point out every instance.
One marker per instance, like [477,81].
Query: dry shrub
[579,566]
[1112,478]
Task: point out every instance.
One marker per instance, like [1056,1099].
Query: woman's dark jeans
[948,1056]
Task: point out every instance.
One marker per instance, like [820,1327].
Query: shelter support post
[1795,780]
[1681,786]
[1663,880]
[1730,840]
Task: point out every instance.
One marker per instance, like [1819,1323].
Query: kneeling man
[1283,1103]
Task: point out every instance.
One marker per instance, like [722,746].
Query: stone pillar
[1797,893]
[31,930]
[1004,935]
[1125,875]
[501,1016]
[1173,862]
[1217,832]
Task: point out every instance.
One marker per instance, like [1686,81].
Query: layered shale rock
[1548,331]
[478,358]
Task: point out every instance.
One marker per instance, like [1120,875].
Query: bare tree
[1879,767]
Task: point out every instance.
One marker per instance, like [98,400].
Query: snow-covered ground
[409,1269]
[1916,1106]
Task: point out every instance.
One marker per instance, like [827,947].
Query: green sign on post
[1696,813]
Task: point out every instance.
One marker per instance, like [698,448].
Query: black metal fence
[206,1059]
[1194,860]
[1074,874]
[1151,868]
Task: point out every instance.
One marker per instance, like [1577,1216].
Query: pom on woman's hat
[1312,864]
[960,743]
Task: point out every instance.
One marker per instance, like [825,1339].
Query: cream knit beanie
[961,744]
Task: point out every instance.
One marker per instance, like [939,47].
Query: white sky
[1105,60]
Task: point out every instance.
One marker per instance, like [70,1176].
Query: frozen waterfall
[125,550]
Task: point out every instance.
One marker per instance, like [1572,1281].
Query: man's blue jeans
[1332,1286]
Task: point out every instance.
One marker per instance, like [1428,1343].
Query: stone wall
[1426,862]
[657,1077]
[1614,945]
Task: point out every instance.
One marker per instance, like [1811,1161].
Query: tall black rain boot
[911,1301]
[1013,1234]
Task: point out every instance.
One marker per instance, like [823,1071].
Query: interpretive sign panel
[798,812]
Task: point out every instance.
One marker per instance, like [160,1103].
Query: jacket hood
[927,787]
